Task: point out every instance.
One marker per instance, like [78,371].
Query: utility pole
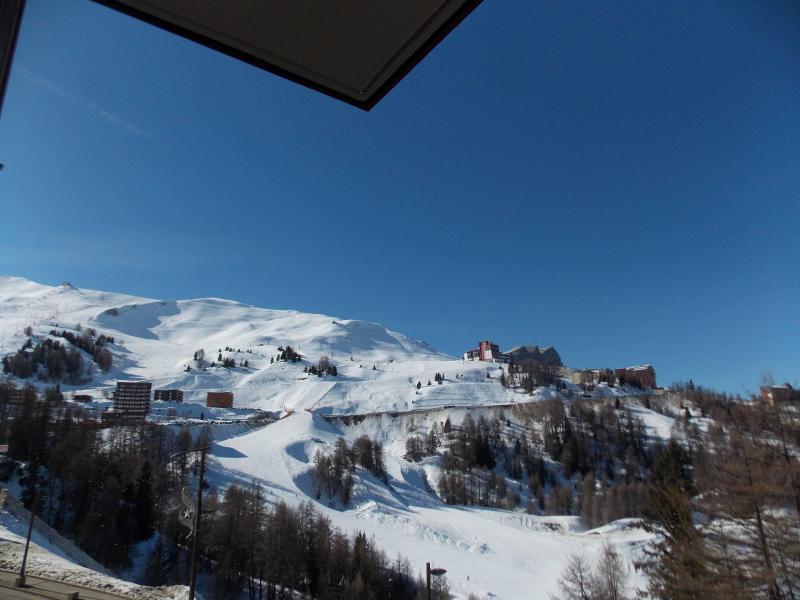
[197,513]
[432,573]
[20,581]
[428,578]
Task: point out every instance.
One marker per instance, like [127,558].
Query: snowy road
[38,587]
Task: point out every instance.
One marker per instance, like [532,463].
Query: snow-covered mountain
[156,340]
[186,325]
[488,552]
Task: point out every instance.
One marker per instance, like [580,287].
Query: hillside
[498,550]
[157,340]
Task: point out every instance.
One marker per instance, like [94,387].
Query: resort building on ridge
[642,377]
[486,350]
[779,394]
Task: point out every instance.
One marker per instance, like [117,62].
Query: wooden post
[428,578]
[198,511]
[20,582]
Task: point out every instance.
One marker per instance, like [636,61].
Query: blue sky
[620,180]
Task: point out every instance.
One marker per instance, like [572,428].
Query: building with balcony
[132,399]
[168,395]
[219,400]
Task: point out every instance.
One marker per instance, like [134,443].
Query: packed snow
[488,552]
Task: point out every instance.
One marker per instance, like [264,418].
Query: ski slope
[155,340]
[492,553]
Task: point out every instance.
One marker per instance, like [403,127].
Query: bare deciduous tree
[605,581]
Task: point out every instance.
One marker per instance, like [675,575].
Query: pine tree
[679,567]
[20,436]
[158,565]
[145,512]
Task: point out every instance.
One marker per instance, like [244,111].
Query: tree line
[724,504]
[109,489]
[52,360]
[272,552]
[743,477]
[48,360]
[94,345]
[333,474]
[288,354]
[559,458]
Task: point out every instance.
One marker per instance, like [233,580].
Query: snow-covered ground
[489,552]
[156,340]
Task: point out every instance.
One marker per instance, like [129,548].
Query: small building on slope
[173,395]
[219,400]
